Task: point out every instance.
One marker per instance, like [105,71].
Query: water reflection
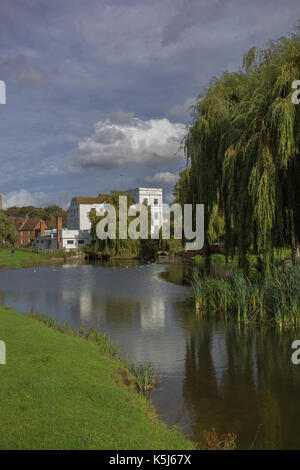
[243,376]
[235,378]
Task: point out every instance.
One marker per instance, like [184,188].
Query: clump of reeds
[273,298]
[144,378]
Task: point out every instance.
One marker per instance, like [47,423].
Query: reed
[274,298]
[144,378]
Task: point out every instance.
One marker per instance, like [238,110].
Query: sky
[98,91]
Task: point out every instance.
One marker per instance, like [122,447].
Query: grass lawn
[60,392]
[25,258]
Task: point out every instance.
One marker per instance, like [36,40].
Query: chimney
[1,206]
[58,231]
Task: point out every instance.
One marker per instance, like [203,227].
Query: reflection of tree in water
[177,273]
[2,296]
[238,377]
[180,273]
[121,312]
[279,382]
[97,310]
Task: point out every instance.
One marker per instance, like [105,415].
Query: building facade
[67,239]
[153,197]
[77,232]
[28,229]
[78,212]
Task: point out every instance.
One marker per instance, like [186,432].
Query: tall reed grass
[274,298]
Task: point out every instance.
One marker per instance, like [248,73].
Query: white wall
[140,194]
[71,239]
[84,209]
[77,218]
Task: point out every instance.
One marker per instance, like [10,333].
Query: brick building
[28,229]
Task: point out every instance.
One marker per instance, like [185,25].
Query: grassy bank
[27,257]
[59,391]
[274,298]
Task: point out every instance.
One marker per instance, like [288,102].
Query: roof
[31,224]
[92,200]
[18,222]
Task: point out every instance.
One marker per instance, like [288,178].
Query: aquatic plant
[144,378]
[273,298]
[213,442]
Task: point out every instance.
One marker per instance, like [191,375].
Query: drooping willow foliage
[125,248]
[243,151]
[114,247]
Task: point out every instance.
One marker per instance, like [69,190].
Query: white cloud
[165,177]
[22,198]
[121,139]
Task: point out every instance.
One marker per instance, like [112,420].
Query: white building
[78,212]
[77,233]
[153,197]
[69,239]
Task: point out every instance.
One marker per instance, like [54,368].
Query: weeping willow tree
[114,247]
[242,151]
[121,248]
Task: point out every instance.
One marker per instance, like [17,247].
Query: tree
[48,214]
[242,149]
[8,232]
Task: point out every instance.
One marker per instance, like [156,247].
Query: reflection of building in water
[78,296]
[85,304]
[219,356]
[153,313]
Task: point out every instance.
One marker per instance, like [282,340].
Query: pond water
[232,377]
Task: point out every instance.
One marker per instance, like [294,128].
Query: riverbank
[27,258]
[59,391]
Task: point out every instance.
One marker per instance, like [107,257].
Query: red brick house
[28,229]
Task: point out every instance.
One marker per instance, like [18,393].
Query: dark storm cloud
[68,63]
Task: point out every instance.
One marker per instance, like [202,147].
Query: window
[80,242]
[22,240]
[145,200]
[70,242]
[156,202]
[156,216]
